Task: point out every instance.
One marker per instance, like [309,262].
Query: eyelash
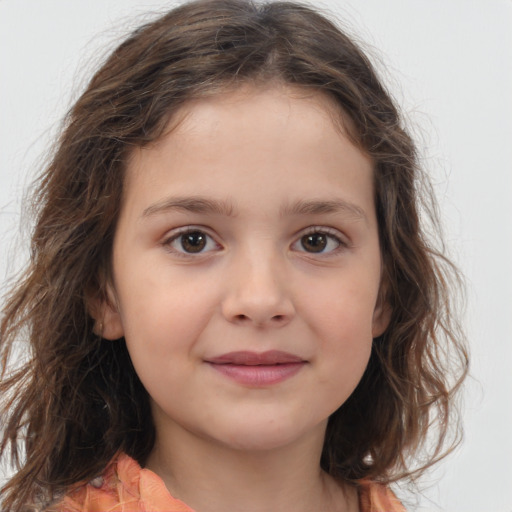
[167,243]
[330,233]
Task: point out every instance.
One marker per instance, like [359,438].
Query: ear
[105,311]
[381,314]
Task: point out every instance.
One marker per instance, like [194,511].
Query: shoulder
[123,487]
[375,497]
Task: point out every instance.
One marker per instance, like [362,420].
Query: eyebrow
[203,205]
[193,204]
[316,207]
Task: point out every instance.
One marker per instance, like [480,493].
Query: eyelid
[340,238]
[174,234]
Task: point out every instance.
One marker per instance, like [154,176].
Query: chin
[274,435]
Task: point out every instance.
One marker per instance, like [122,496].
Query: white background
[448,62]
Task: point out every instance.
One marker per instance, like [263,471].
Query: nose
[258,293]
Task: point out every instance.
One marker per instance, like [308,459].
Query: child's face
[247,269]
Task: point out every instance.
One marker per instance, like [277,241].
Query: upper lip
[248,358]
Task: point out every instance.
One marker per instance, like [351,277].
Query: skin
[257,284]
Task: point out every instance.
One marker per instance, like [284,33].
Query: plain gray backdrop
[448,62]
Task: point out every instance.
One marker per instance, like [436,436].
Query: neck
[211,477]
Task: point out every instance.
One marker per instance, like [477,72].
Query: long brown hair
[77,401]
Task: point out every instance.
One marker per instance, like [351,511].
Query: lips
[257,369]
[272,357]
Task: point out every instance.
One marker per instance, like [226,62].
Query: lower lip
[258,375]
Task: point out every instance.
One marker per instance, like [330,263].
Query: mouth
[255,369]
[247,358]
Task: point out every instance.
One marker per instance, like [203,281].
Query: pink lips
[257,369]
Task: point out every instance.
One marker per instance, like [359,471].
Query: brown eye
[318,242]
[193,242]
[314,242]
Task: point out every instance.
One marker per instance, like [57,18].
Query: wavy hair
[77,401]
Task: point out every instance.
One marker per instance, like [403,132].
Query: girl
[231,303]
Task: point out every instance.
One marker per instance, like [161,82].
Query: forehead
[280,137]
[299,98]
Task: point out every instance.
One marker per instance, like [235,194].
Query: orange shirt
[125,487]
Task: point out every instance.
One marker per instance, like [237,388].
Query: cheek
[160,316]
[340,318]
[343,308]
[162,331]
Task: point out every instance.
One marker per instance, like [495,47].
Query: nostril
[277,317]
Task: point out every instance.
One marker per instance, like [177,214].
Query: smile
[257,369]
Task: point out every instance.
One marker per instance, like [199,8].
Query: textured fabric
[125,487]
